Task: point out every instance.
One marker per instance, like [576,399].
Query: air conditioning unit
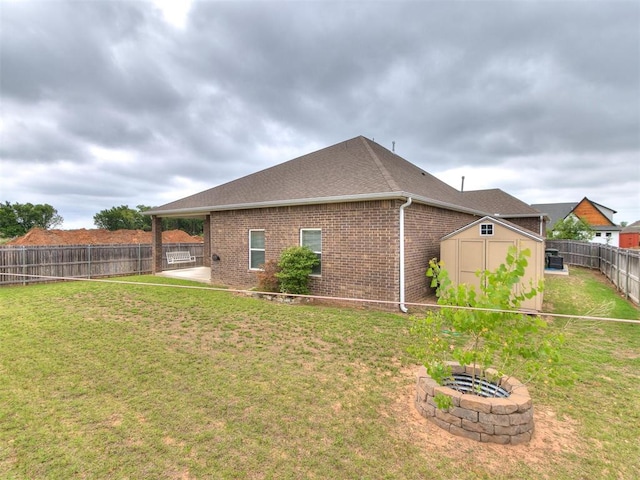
[555,262]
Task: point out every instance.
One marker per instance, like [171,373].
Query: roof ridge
[385,173]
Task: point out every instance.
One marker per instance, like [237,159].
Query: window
[608,234]
[598,234]
[256,249]
[312,238]
[486,229]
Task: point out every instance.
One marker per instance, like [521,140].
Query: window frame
[252,249]
[318,253]
[487,229]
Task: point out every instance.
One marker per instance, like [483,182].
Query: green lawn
[102,380]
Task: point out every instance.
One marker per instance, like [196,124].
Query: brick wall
[359,245]
[531,224]
[424,227]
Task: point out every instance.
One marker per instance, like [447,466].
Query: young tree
[571,228]
[18,218]
[494,333]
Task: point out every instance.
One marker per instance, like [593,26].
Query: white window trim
[317,253]
[255,249]
[493,229]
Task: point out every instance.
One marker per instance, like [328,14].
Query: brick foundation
[497,420]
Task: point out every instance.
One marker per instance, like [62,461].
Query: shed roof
[505,223]
[356,169]
[633,228]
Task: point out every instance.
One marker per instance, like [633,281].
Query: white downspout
[403,308]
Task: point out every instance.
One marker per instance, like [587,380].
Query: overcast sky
[108,103]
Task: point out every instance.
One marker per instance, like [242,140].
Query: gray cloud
[134,109]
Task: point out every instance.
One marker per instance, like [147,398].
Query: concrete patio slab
[197,274]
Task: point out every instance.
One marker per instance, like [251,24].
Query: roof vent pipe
[403,308]
[462,186]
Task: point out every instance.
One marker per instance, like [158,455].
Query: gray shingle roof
[496,201]
[354,169]
[555,211]
[634,227]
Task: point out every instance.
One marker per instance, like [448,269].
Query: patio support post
[207,241]
[156,244]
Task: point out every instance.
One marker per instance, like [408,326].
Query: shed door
[480,255]
[497,253]
[471,260]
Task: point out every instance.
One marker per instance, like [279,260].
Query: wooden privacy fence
[620,265]
[84,261]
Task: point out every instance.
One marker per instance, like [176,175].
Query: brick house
[373,218]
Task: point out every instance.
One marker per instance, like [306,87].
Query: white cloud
[175,12]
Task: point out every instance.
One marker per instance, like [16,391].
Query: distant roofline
[599,205]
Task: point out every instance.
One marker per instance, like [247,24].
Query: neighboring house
[630,236]
[374,219]
[599,218]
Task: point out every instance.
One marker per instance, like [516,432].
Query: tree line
[16,219]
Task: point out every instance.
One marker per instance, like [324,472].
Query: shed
[483,245]
[630,236]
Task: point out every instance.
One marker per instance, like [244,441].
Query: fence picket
[83,261]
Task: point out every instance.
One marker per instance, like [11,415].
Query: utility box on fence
[483,245]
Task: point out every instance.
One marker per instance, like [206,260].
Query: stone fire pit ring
[503,420]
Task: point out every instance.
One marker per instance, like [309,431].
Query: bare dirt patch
[99,236]
[552,437]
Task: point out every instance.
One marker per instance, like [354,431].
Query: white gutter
[403,308]
[205,210]
[541,225]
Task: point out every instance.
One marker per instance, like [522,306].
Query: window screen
[312,238]
[256,249]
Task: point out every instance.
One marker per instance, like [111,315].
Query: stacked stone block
[497,420]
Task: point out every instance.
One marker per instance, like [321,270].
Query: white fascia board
[311,201]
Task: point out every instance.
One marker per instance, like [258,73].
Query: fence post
[89,259]
[617,254]
[24,265]
[139,260]
[627,287]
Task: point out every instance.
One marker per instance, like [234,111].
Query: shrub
[296,264]
[267,279]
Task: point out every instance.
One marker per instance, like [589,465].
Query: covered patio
[196,274]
